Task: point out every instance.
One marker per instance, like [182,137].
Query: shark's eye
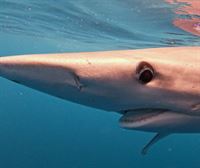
[145,72]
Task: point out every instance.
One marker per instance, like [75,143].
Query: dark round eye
[145,72]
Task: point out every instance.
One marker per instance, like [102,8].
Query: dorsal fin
[154,140]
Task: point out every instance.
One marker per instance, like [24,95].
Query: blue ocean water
[40,131]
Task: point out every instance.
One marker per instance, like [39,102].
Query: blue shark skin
[155,90]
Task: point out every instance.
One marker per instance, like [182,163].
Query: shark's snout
[52,76]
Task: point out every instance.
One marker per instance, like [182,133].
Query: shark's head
[123,81]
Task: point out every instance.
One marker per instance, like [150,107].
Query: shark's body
[156,90]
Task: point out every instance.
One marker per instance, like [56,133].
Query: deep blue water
[40,131]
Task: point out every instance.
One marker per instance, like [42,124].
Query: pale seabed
[41,131]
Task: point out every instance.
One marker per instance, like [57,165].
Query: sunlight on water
[108,25]
[189,15]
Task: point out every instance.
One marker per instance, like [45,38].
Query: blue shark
[154,90]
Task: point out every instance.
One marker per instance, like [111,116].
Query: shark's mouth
[133,119]
[161,121]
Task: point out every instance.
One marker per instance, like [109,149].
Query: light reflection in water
[189,15]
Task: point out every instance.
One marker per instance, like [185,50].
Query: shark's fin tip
[154,140]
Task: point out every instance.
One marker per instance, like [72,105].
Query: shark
[154,90]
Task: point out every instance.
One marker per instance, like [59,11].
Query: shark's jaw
[160,120]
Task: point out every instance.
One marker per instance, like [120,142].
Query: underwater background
[41,131]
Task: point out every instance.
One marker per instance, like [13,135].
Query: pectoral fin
[154,140]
